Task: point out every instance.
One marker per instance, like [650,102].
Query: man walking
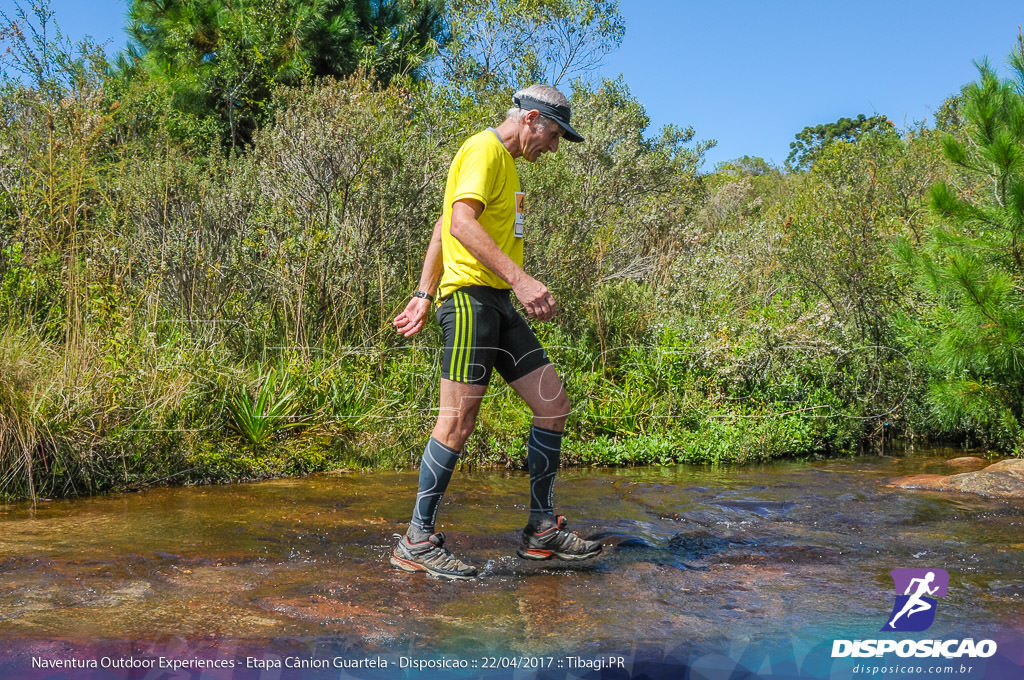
[474,261]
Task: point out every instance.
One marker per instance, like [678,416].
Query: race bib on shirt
[520,219]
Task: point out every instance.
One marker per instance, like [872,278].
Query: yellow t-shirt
[484,170]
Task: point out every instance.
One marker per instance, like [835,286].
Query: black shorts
[483,331]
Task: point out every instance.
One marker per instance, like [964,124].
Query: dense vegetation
[202,248]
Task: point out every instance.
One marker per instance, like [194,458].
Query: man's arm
[412,318]
[534,295]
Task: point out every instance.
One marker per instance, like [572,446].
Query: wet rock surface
[703,555]
[967,462]
[1004,479]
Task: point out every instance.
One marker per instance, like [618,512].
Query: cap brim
[570,134]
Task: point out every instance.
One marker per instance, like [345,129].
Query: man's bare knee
[551,415]
[553,408]
[452,434]
[454,426]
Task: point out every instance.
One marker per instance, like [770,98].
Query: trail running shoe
[431,556]
[553,542]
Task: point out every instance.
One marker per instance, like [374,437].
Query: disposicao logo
[914,611]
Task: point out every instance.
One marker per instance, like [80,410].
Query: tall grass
[22,430]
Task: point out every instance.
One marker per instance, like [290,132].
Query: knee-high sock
[435,473]
[542,454]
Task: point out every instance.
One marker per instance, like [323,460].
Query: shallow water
[715,557]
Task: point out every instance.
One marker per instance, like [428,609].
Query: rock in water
[926,482]
[1004,479]
[966,461]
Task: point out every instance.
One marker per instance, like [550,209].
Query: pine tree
[974,265]
[389,38]
[221,58]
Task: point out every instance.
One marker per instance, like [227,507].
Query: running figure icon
[916,604]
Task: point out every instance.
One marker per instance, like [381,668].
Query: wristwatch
[421,294]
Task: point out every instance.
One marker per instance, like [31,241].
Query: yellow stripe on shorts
[461,352]
[469,337]
[456,344]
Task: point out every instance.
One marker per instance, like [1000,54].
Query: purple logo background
[902,578]
[916,590]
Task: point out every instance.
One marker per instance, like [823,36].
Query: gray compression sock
[435,473]
[543,452]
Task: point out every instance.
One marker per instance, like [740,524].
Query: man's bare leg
[543,538]
[422,549]
[456,418]
[543,392]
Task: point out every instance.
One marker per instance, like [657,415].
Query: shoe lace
[443,557]
[567,540]
[450,561]
[570,540]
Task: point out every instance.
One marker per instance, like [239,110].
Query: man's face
[542,136]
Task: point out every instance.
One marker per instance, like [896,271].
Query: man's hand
[536,298]
[411,320]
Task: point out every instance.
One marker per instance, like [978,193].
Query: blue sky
[752,74]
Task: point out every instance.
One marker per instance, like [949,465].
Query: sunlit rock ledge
[967,461]
[1004,479]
